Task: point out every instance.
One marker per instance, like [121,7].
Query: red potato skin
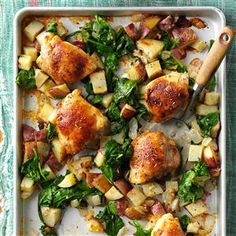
[133,214]
[179,53]
[53,163]
[57,93]
[132,32]
[144,30]
[157,209]
[185,35]
[123,186]
[90,178]
[167,23]
[121,205]
[127,113]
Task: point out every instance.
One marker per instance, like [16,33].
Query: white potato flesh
[45,112]
[197,208]
[113,194]
[31,51]
[94,200]
[33,29]
[195,153]
[68,181]
[58,149]
[153,69]
[25,62]
[107,99]
[136,196]
[204,110]
[172,186]
[27,184]
[100,158]
[199,45]
[212,98]
[152,189]
[40,77]
[98,81]
[50,215]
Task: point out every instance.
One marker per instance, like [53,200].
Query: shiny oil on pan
[26,220]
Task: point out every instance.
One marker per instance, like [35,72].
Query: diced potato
[204,110]
[94,200]
[44,37]
[27,185]
[97,60]
[98,81]
[133,128]
[31,51]
[33,29]
[168,197]
[195,153]
[123,186]
[193,227]
[47,85]
[59,91]
[206,141]
[68,181]
[94,225]
[50,215]
[150,47]
[101,184]
[45,112]
[143,57]
[50,175]
[25,62]
[136,71]
[58,150]
[43,149]
[141,91]
[151,21]
[107,99]
[198,45]
[196,136]
[40,77]
[120,137]
[152,189]
[211,158]
[53,117]
[29,150]
[127,111]
[153,69]
[26,195]
[197,208]
[172,186]
[212,98]
[62,31]
[100,158]
[195,125]
[74,203]
[136,212]
[194,67]
[215,130]
[136,196]
[113,194]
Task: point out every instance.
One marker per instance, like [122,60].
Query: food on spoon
[78,122]
[154,155]
[166,96]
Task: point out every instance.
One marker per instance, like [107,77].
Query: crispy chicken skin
[153,156]
[167,95]
[64,62]
[78,122]
[167,225]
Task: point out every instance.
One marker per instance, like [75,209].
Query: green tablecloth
[8,8]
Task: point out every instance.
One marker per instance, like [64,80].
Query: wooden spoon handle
[215,55]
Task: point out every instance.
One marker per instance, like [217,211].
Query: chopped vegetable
[54,196]
[184,221]
[51,131]
[189,188]
[206,123]
[47,231]
[139,229]
[169,42]
[33,169]
[26,79]
[110,217]
[52,27]
[115,154]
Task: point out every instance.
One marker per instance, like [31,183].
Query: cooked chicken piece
[167,225]
[78,122]
[64,62]
[166,96]
[154,155]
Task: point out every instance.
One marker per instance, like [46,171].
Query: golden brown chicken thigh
[64,62]
[153,156]
[78,122]
[167,95]
[167,225]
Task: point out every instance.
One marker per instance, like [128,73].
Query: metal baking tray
[26,220]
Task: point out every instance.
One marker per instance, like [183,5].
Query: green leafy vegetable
[173,62]
[169,42]
[184,221]
[26,79]
[112,45]
[52,27]
[189,188]
[113,112]
[139,229]
[47,231]
[117,127]
[95,99]
[51,131]
[206,123]
[191,82]
[116,154]
[32,169]
[111,219]
[54,196]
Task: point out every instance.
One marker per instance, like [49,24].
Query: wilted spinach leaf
[140,231]
[51,131]
[26,79]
